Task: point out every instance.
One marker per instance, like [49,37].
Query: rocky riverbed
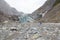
[10,30]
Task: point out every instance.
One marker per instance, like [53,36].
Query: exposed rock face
[44,9]
[53,15]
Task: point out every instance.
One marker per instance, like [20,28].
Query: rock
[35,36]
[5,22]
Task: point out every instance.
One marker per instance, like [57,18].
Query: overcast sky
[26,6]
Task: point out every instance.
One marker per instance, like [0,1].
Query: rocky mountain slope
[46,7]
[5,8]
[7,12]
[50,12]
[53,15]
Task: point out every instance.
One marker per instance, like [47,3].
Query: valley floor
[29,31]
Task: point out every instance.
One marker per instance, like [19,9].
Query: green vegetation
[57,2]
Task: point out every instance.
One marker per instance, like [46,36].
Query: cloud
[27,6]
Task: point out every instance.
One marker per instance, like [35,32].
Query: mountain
[53,15]
[5,8]
[7,12]
[49,12]
[46,7]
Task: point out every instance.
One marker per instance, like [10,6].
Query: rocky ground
[10,30]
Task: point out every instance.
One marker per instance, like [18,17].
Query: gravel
[30,31]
